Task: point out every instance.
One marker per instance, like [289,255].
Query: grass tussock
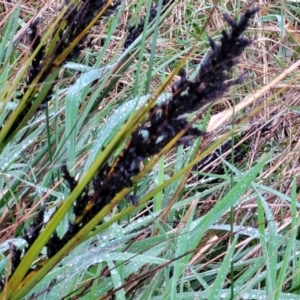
[149,149]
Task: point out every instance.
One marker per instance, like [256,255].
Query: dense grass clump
[121,178]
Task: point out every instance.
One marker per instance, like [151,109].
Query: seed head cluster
[77,18]
[164,122]
[135,31]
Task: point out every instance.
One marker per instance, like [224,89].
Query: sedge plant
[81,160]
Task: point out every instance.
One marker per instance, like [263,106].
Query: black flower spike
[164,122]
[54,245]
[72,230]
[135,31]
[15,261]
[212,80]
[77,19]
[34,39]
[15,257]
[82,201]
[33,232]
[132,199]
[67,177]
